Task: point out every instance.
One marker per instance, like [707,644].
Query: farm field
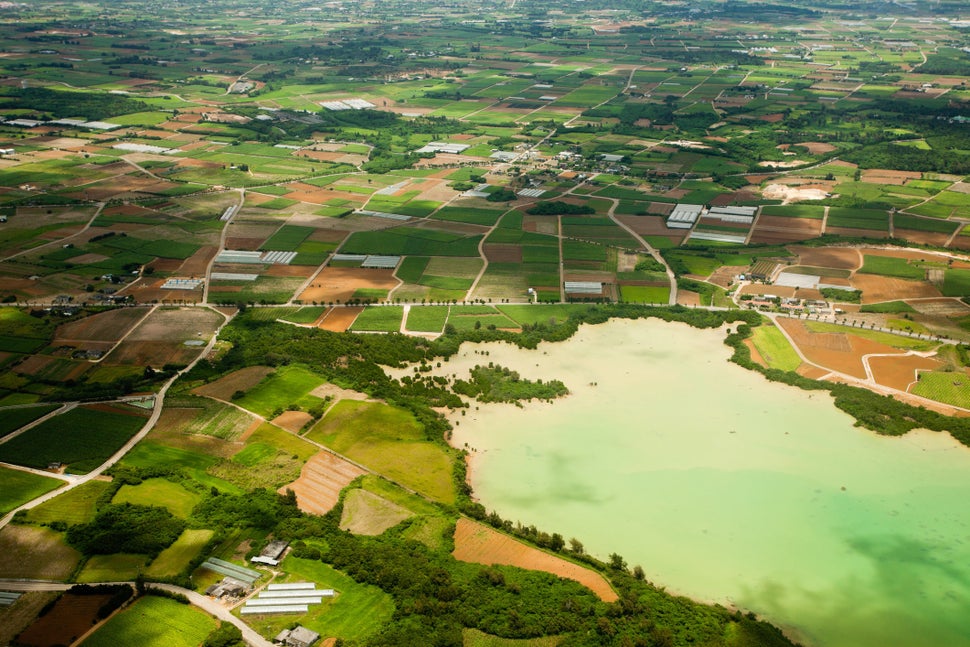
[154,621]
[17,487]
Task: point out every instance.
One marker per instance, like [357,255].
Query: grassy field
[889,266]
[159,492]
[427,318]
[644,294]
[73,507]
[82,439]
[956,283]
[390,442]
[475,638]
[951,388]
[17,487]
[358,610]
[154,622]
[36,553]
[112,568]
[774,348]
[382,319]
[888,307]
[285,386]
[171,561]
[533,314]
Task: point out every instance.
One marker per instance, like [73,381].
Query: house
[300,636]
[272,553]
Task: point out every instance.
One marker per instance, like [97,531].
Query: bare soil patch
[479,544]
[336,393]
[68,620]
[107,326]
[789,194]
[340,283]
[843,258]
[942,307]
[321,480]
[21,613]
[686,298]
[817,148]
[900,372]
[778,229]
[365,513]
[837,351]
[196,264]
[301,271]
[755,355]
[503,253]
[292,421]
[883,176]
[241,380]
[339,319]
[886,288]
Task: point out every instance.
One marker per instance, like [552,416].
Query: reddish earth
[816,148]
[900,372]
[886,288]
[340,283]
[241,380]
[856,233]
[883,176]
[479,544]
[922,237]
[301,271]
[292,421]
[843,258]
[942,307]
[196,264]
[339,319]
[836,351]
[69,619]
[778,229]
[755,355]
[321,480]
[503,253]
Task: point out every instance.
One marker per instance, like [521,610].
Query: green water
[728,488]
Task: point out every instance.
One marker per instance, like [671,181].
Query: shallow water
[729,488]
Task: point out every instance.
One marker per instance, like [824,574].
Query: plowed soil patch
[241,380]
[292,420]
[340,283]
[755,355]
[943,307]
[886,288]
[503,253]
[196,264]
[70,617]
[321,480]
[479,544]
[836,351]
[303,271]
[922,237]
[844,258]
[107,326]
[339,319]
[899,372]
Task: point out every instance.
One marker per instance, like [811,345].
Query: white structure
[181,284]
[443,147]
[719,237]
[583,287]
[237,256]
[684,216]
[741,215]
[232,276]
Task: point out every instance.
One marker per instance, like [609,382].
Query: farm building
[684,216]
[286,598]
[272,553]
[228,587]
[443,147]
[719,237]
[741,215]
[583,287]
[299,636]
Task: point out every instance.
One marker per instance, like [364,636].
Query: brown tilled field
[365,513]
[339,319]
[37,553]
[844,258]
[942,307]
[900,372]
[107,326]
[503,253]
[886,288]
[241,380]
[479,544]
[922,237]
[340,283]
[778,229]
[68,620]
[292,421]
[321,480]
[839,352]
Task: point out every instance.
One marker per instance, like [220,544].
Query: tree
[617,562]
[576,546]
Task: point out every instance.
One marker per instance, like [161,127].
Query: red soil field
[843,258]
[922,237]
[292,421]
[836,351]
[301,271]
[339,319]
[503,253]
[321,480]
[479,544]
[885,288]
[71,616]
[900,372]
[196,264]
[340,283]
[778,229]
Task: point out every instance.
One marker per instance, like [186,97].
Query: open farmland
[154,622]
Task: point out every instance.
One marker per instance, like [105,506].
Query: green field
[951,388]
[154,622]
[287,238]
[379,319]
[82,439]
[889,339]
[13,419]
[889,266]
[112,568]
[427,318]
[533,314]
[390,442]
[75,506]
[774,348]
[357,612]
[285,386]
[174,559]
[17,487]
[159,492]
[888,307]
[644,294]
[956,283]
